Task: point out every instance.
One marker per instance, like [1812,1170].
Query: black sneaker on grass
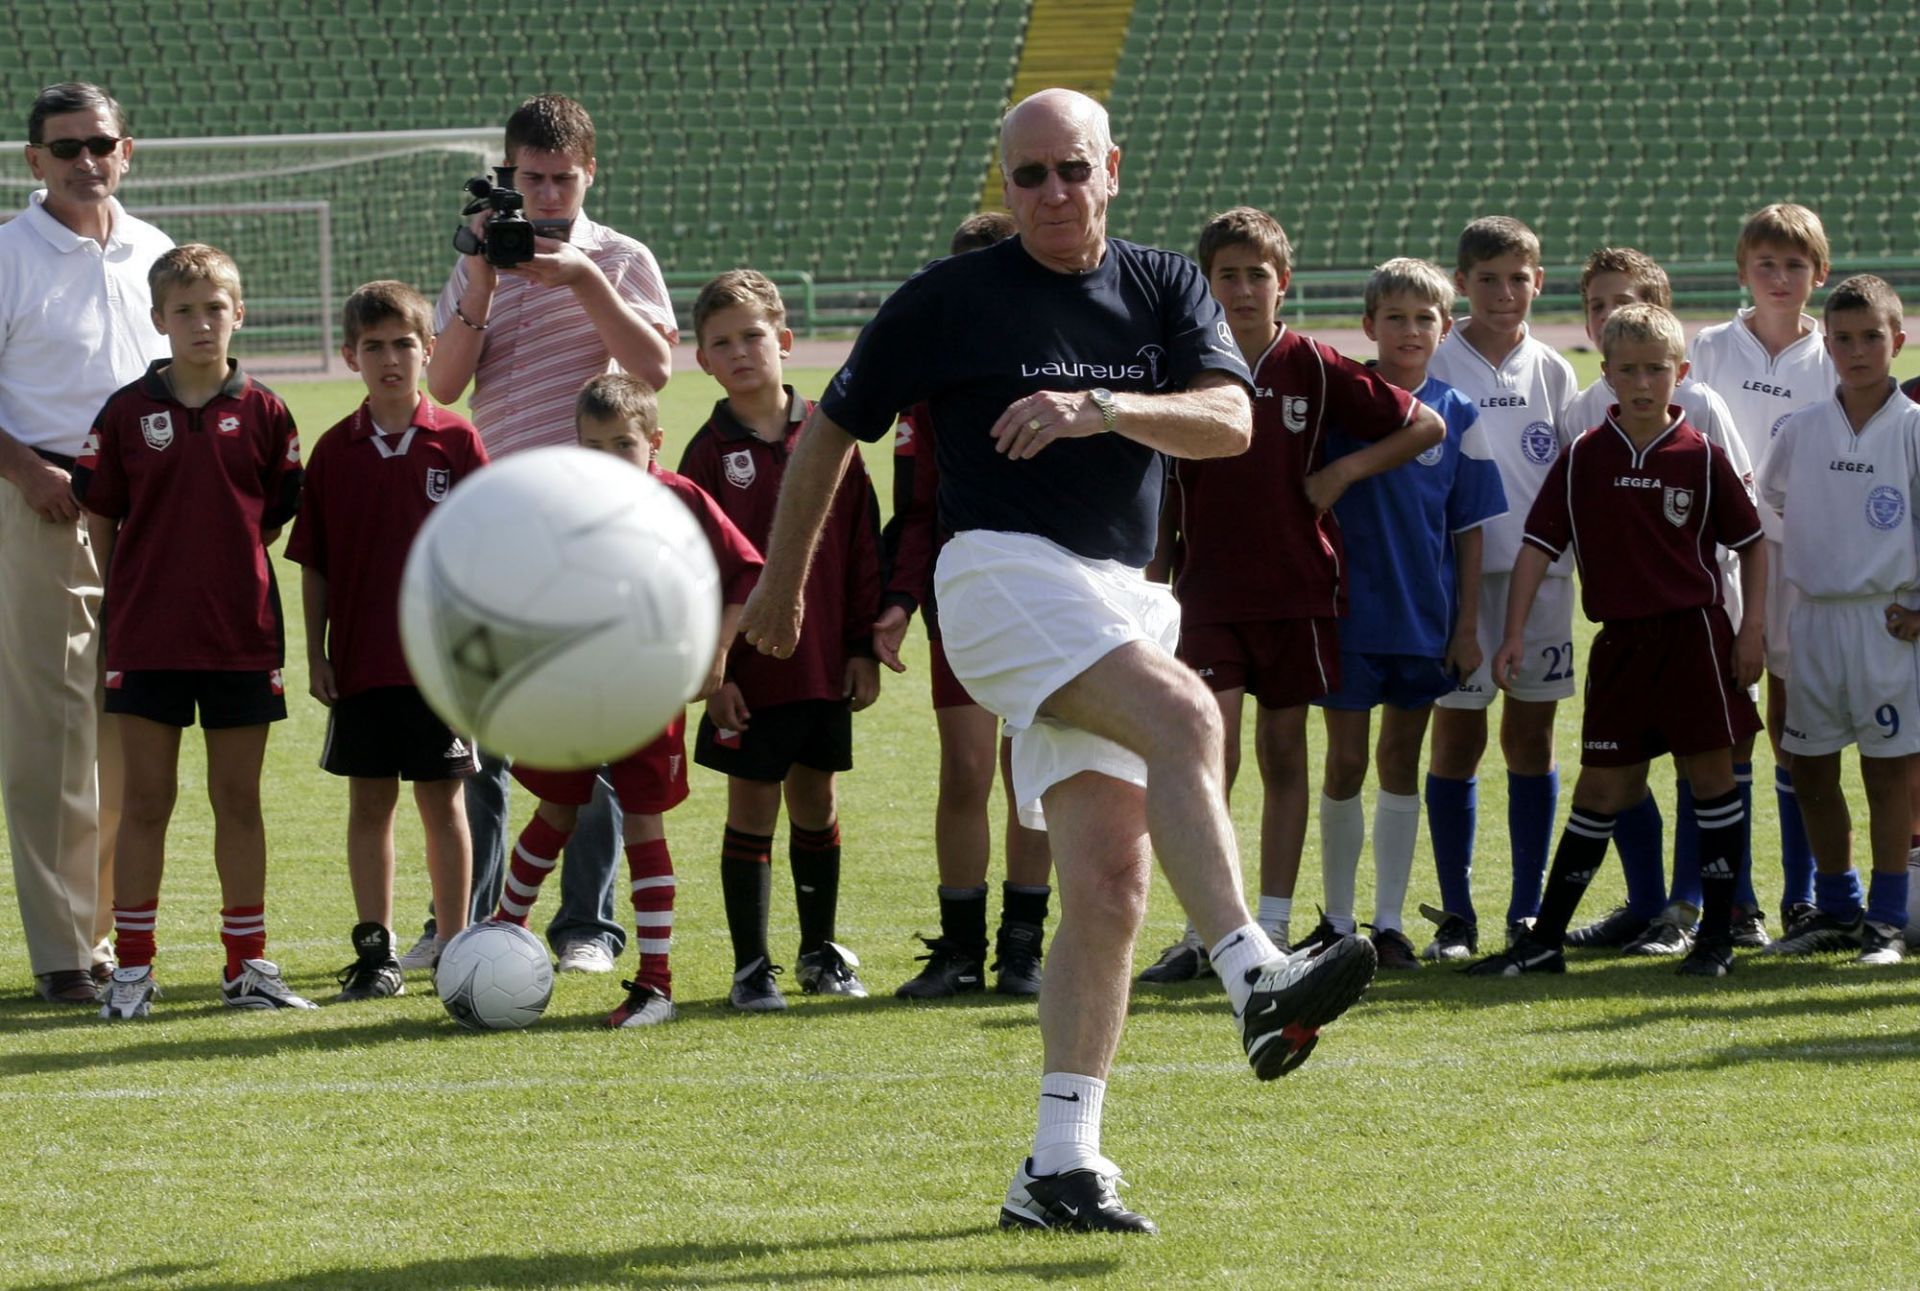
[1881,943]
[1526,955]
[375,972]
[1819,933]
[829,971]
[1324,934]
[952,969]
[1670,932]
[1710,957]
[1393,951]
[1795,914]
[755,991]
[1016,961]
[1073,1201]
[1455,937]
[1617,927]
[1183,961]
[1294,996]
[1750,928]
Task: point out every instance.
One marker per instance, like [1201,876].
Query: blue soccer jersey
[1399,528]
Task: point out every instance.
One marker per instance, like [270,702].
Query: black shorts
[225,699]
[814,733]
[389,731]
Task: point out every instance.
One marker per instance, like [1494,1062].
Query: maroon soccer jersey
[1643,522]
[1251,546]
[733,552]
[190,586]
[367,494]
[842,594]
[912,538]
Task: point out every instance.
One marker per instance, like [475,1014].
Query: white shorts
[1546,669]
[1782,596]
[1853,682]
[1020,617]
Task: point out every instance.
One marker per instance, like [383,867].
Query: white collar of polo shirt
[59,236]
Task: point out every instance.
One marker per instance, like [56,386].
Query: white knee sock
[1343,835]
[1396,826]
[1234,955]
[1275,914]
[1069,1133]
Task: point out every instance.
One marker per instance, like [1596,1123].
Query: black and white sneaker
[375,973]
[1617,927]
[1881,943]
[1184,961]
[1526,955]
[1820,933]
[1324,934]
[130,994]
[1750,928]
[1670,932]
[829,971]
[952,969]
[1455,937]
[1016,962]
[1710,957]
[1073,1201]
[260,987]
[1294,996]
[755,991]
[1794,915]
[1393,951]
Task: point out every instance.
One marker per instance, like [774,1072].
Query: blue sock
[1638,833]
[1743,781]
[1887,900]
[1686,847]
[1453,806]
[1531,802]
[1796,853]
[1838,894]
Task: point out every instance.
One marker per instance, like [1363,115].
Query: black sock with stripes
[1724,829]
[746,888]
[1583,846]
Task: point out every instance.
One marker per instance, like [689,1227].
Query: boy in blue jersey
[1412,627]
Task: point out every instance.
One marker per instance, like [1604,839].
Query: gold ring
[1033,423]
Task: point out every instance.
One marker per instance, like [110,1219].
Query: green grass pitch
[1617,1127]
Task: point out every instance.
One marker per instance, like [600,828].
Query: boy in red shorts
[372,482]
[194,467]
[618,414]
[1642,499]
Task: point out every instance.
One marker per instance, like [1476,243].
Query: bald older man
[1060,367]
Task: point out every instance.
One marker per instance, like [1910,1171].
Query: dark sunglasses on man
[99,145]
[1034,173]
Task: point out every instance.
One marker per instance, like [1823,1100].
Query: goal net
[306,217]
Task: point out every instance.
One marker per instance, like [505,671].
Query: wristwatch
[1109,411]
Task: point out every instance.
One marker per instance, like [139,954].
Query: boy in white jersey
[1521,388]
[1769,361]
[1652,922]
[1843,474]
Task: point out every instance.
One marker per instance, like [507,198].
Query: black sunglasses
[67,149]
[1034,173]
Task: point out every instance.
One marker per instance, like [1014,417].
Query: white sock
[1238,953]
[1275,914]
[1192,935]
[1069,1133]
[1343,835]
[1396,827]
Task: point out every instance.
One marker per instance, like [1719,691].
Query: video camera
[509,234]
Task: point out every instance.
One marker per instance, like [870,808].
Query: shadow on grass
[1828,1051]
[1039,1257]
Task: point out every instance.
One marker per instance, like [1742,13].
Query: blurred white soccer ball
[494,977]
[560,606]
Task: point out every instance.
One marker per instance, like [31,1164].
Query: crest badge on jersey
[740,468]
[1293,412]
[1538,443]
[1774,433]
[1433,455]
[157,429]
[228,425]
[1886,507]
[1677,505]
[439,480]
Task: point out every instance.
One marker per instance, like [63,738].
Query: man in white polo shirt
[527,339]
[75,326]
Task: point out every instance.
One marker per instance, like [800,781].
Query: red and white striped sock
[653,887]
[243,931]
[534,856]
[133,933]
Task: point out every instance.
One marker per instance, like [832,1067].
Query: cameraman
[527,339]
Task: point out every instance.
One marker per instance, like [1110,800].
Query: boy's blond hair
[622,397]
[1863,293]
[1246,226]
[978,232]
[748,287]
[1649,279]
[1785,224]
[550,123]
[189,263]
[1633,324]
[1423,280]
[1496,235]
[376,302]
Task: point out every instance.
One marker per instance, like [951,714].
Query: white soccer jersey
[1847,499]
[1522,406]
[1761,388]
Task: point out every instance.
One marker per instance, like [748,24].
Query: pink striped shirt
[540,347]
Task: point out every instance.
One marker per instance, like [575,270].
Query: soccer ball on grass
[494,977]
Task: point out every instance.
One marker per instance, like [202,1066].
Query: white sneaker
[422,955]
[584,957]
[130,994]
[260,986]
[645,1007]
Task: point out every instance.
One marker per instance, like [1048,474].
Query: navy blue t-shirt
[971,334]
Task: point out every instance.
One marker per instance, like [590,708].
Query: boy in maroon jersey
[619,414]
[193,468]
[782,725]
[1254,548]
[1642,499]
[372,481]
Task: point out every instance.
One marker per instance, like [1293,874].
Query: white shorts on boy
[1547,669]
[1853,682]
[1020,617]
